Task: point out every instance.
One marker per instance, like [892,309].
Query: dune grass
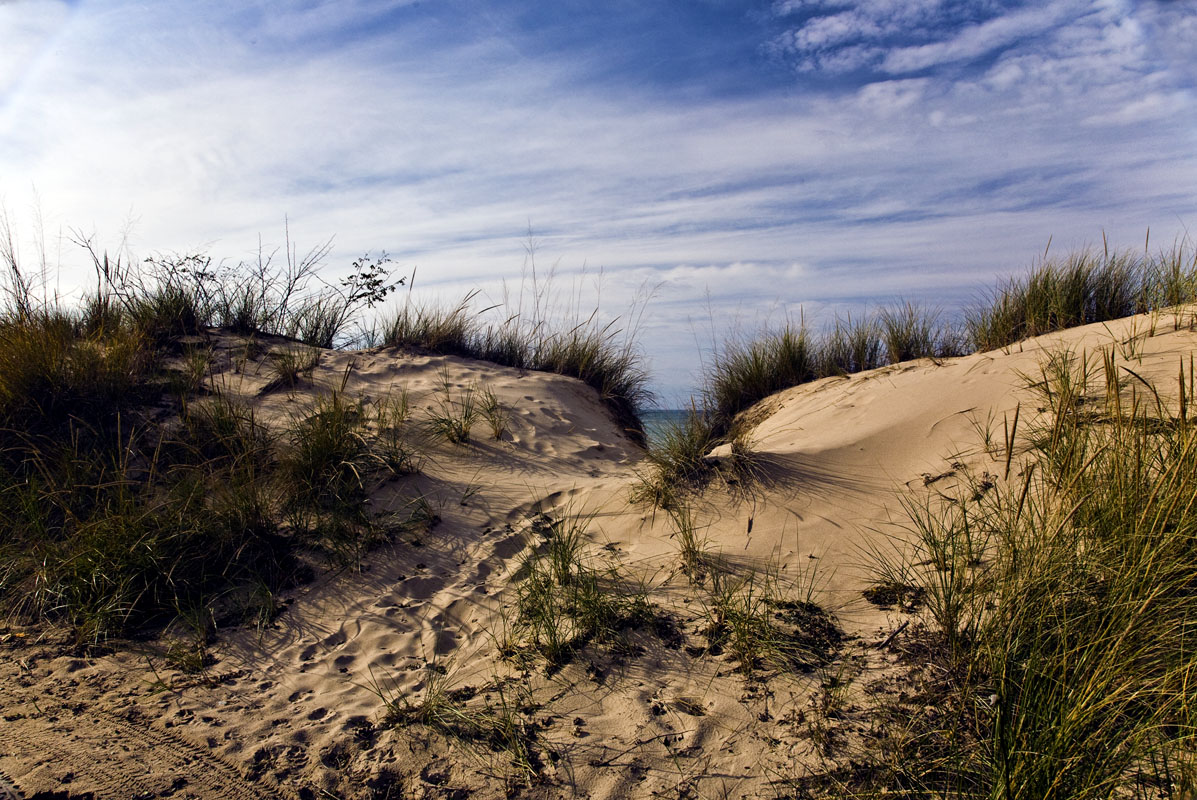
[536,330]
[498,716]
[131,497]
[1061,607]
[114,520]
[446,330]
[741,373]
[566,599]
[1082,288]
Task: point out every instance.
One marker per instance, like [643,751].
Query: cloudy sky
[745,160]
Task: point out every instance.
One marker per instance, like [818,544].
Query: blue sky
[746,159]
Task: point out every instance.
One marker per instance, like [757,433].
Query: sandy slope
[297,710]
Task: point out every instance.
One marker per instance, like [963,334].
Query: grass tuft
[1062,606]
[565,601]
[599,353]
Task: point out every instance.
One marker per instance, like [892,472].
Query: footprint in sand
[388,641]
[509,547]
[446,642]
[384,661]
[421,588]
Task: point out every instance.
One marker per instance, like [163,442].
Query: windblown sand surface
[299,708]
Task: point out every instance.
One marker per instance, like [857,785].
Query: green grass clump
[1064,607]
[329,456]
[748,618]
[53,373]
[453,420]
[852,346]
[1079,289]
[676,463]
[104,536]
[498,418]
[564,601]
[743,374]
[220,432]
[601,355]
[739,376]
[398,442]
[910,331]
[129,523]
[448,331]
[498,715]
[292,363]
[129,497]
[593,355]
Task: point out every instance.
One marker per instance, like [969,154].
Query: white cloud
[832,30]
[443,157]
[890,97]
[1153,106]
[844,59]
[299,21]
[978,40]
[1004,75]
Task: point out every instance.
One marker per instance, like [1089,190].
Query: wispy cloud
[28,28]
[979,40]
[906,147]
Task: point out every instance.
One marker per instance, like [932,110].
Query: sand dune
[299,708]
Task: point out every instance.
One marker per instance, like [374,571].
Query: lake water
[658,420]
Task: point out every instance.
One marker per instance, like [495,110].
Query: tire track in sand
[102,754]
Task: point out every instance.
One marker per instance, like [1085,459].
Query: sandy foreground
[299,709]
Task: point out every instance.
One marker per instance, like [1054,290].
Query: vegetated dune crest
[418,670]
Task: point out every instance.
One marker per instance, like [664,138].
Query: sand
[298,709]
